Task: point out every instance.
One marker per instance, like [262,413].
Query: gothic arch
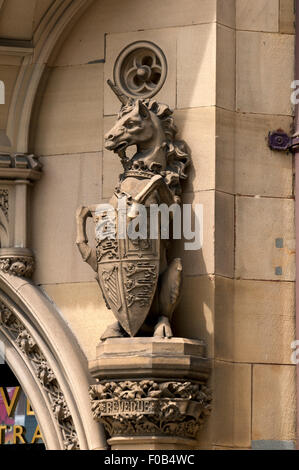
[55,24]
[49,364]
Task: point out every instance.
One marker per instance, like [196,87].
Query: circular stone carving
[140,70]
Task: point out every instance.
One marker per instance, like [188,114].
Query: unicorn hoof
[163,328]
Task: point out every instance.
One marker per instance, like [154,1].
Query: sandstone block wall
[231,64]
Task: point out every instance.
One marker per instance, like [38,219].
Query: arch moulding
[49,364]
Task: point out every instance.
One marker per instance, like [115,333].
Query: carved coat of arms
[139,283]
[128,272]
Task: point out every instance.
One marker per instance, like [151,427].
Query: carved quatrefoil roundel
[140,70]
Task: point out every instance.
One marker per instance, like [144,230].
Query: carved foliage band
[150,408]
[4,202]
[17,265]
[18,334]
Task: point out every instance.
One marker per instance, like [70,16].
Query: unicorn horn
[122,98]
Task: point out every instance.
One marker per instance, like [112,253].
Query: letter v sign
[10,404]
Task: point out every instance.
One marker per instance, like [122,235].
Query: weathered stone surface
[151,346]
[224,234]
[76,178]
[231,413]
[86,42]
[84,309]
[224,335]
[151,14]
[210,258]
[8,74]
[258,170]
[10,59]
[197,127]
[226,68]
[221,311]
[194,317]
[240,323]
[199,261]
[260,222]
[274,403]
[287,17]
[226,12]
[112,166]
[17,19]
[196,71]
[257,15]
[255,91]
[141,357]
[151,443]
[225,150]
[40,8]
[70,112]
[273,311]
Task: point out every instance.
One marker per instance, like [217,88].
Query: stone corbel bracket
[17,173]
[151,393]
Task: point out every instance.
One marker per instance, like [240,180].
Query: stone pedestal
[151,393]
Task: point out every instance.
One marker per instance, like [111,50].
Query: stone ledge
[120,358]
[151,443]
[154,345]
[19,167]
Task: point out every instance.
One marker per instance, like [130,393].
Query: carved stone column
[151,393]
[17,173]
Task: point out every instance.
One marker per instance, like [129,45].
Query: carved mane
[176,151]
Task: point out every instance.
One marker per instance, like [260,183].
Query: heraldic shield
[128,272]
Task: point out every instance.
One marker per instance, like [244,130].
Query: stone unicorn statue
[138,281]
